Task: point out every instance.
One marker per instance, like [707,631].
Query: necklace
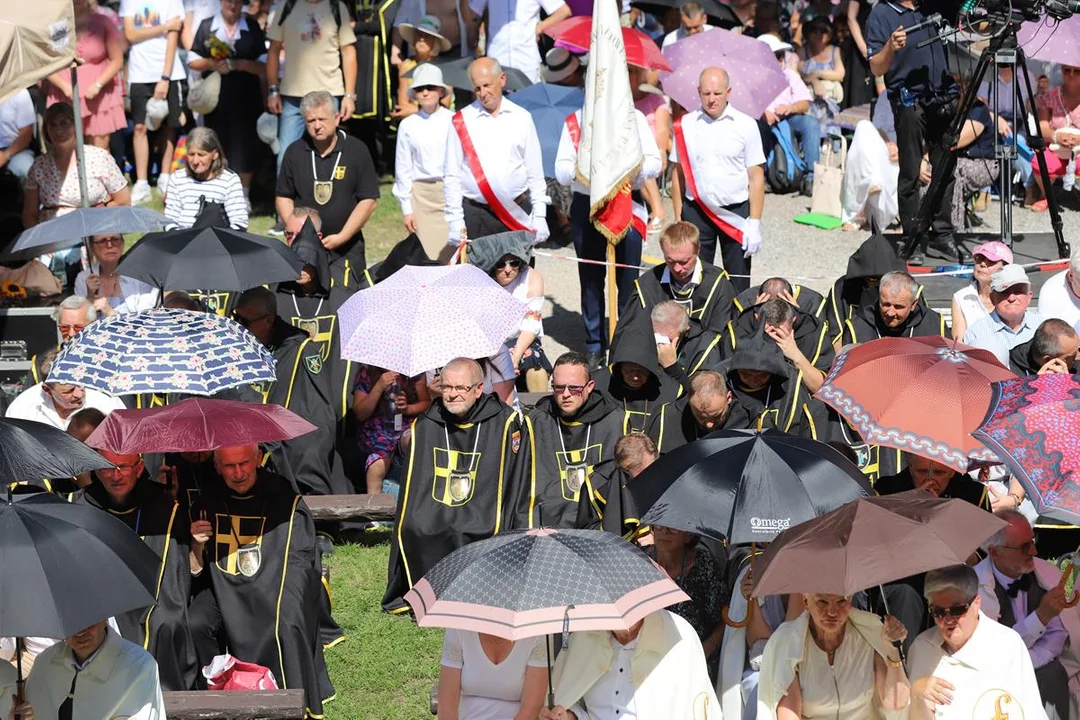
[324,189]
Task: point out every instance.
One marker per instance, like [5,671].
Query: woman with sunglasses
[110,292]
[833,661]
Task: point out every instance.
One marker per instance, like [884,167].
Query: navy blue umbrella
[549,105]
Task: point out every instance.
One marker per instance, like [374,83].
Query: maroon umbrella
[196,425]
[872,541]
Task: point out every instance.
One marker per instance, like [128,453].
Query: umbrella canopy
[456,74]
[196,425]
[718,14]
[549,105]
[209,257]
[1033,426]
[420,318]
[36,451]
[1056,42]
[575,34]
[163,350]
[756,77]
[68,230]
[535,582]
[36,40]
[68,566]
[873,541]
[923,395]
[744,486]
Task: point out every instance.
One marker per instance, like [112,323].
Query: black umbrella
[209,257]
[719,14]
[456,75]
[745,486]
[35,451]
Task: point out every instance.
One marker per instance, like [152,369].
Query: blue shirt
[982,148]
[992,334]
[918,69]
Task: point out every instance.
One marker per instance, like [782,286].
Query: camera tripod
[1003,50]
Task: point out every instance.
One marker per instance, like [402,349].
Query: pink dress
[105,113]
[59,195]
[649,104]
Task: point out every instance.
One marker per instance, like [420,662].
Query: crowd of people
[220,96]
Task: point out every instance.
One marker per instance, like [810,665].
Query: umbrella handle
[1065,573]
[737,623]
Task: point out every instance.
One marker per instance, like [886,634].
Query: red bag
[228,673]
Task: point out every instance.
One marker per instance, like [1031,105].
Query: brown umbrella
[872,541]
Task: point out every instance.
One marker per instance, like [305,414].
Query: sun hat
[994,250]
[775,44]
[427,75]
[427,24]
[559,64]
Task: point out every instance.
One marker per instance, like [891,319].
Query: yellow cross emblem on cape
[235,535]
[455,476]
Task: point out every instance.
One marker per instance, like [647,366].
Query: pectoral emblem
[249,560]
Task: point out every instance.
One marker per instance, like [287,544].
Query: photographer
[923,97]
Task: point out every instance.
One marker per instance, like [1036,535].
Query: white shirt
[612,696]
[121,680]
[421,152]
[992,334]
[678,34]
[135,295]
[489,691]
[16,113]
[967,298]
[1056,300]
[146,61]
[33,404]
[566,158]
[993,661]
[511,32]
[720,152]
[509,151]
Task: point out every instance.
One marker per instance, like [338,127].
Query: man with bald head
[709,406]
[467,469]
[264,600]
[720,168]
[494,170]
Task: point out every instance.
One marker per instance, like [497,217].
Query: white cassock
[8,681]
[992,674]
[121,680]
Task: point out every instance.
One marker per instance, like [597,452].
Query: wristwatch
[166,78]
[351,96]
[272,89]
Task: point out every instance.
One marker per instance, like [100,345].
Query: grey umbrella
[68,230]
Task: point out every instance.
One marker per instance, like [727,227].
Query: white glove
[751,237]
[540,225]
[457,229]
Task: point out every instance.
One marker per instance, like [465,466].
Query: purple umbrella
[756,77]
[1050,41]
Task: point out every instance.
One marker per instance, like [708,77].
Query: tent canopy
[36,40]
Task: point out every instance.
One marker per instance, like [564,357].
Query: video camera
[1027,10]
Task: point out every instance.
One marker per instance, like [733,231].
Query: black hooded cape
[873,258]
[1020,360]
[264,571]
[865,324]
[578,444]
[810,335]
[606,504]
[960,487]
[710,304]
[675,425]
[783,404]
[162,628]
[810,301]
[453,495]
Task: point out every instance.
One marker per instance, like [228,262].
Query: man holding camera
[923,96]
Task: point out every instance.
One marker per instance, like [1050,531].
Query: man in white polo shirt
[720,164]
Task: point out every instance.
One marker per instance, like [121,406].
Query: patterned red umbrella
[1033,425]
[575,34]
[923,395]
[196,425]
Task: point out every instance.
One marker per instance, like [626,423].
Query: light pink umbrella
[756,77]
[1052,41]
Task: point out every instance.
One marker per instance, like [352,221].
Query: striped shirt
[184,195]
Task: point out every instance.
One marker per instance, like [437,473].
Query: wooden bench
[351,507]
[235,705]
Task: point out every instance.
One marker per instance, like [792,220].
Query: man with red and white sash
[494,172]
[720,166]
[589,243]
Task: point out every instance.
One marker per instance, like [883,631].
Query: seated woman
[384,403]
[823,69]
[833,662]
[971,303]
[427,43]
[110,292]
[484,677]
[868,193]
[1059,122]
[976,167]
[206,179]
[694,569]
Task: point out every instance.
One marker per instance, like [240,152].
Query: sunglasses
[940,613]
[511,263]
[572,389]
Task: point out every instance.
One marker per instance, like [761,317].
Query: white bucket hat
[266,127]
[429,25]
[427,75]
[157,109]
[203,97]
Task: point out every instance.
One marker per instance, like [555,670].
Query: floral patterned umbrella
[1033,425]
[163,350]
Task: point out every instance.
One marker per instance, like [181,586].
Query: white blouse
[971,306]
[490,691]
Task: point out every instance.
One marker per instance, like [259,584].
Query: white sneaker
[163,183]
[140,193]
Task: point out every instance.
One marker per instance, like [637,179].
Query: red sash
[573,128]
[729,229]
[504,215]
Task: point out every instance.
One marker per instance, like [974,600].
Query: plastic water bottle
[395,388]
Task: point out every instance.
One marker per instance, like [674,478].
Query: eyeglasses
[70,328]
[123,468]
[458,389]
[956,611]
[108,241]
[572,389]
[1026,548]
[511,263]
[244,322]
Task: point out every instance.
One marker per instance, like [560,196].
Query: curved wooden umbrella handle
[1065,573]
[749,612]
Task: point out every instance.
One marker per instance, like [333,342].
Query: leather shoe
[948,248]
[917,258]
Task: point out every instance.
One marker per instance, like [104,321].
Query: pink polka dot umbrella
[1052,41]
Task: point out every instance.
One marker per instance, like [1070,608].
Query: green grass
[386,667]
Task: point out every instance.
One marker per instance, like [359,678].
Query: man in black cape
[468,469]
[608,504]
[256,540]
[809,301]
[634,378]
[771,392]
[303,386]
[689,348]
[858,286]
[128,494]
[572,431]
[1053,349]
[937,479]
[709,406]
[895,312]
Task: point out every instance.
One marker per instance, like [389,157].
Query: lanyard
[562,443]
[333,174]
[476,444]
[297,308]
